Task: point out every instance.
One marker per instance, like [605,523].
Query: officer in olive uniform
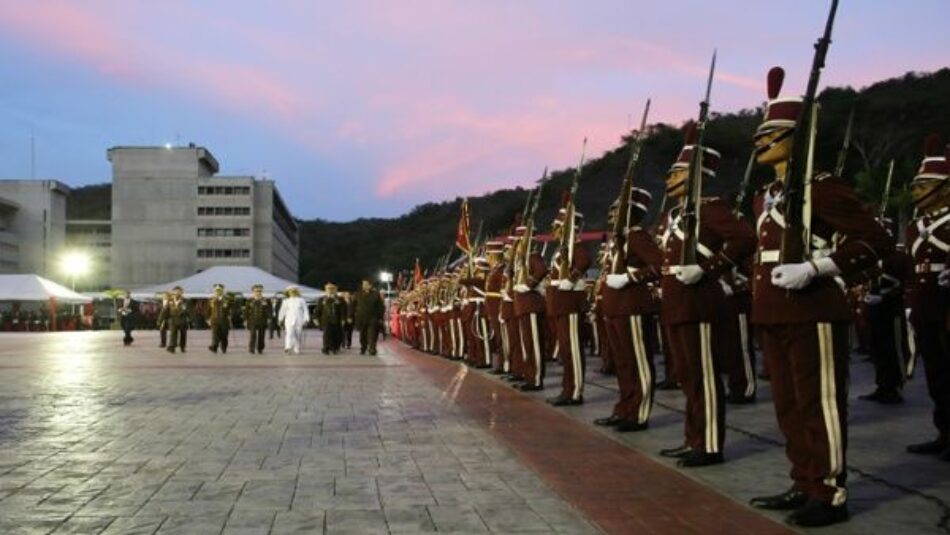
[219,319]
[257,313]
[368,315]
[175,315]
[330,315]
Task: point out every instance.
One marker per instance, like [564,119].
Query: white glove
[726,287]
[873,299]
[565,285]
[522,288]
[617,281]
[798,276]
[907,314]
[689,274]
[943,279]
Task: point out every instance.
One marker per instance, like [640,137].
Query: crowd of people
[704,288]
[336,314]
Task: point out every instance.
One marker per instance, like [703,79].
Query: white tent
[237,279]
[30,287]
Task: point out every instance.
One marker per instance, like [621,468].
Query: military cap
[779,112]
[257,287]
[711,157]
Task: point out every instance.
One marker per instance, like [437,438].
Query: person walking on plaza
[367,315]
[177,318]
[128,310]
[348,320]
[273,326]
[801,314]
[330,315]
[163,325]
[257,313]
[219,319]
[294,316]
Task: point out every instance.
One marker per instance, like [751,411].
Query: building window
[206,232]
[224,190]
[224,253]
[224,210]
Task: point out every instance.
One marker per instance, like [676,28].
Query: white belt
[476,300]
[929,268]
[773,256]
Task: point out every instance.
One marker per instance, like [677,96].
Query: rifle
[744,186]
[797,178]
[522,249]
[887,190]
[568,229]
[694,180]
[845,145]
[622,220]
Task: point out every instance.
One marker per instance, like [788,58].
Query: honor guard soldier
[735,334]
[693,300]
[219,319]
[928,237]
[529,309]
[176,316]
[474,318]
[494,251]
[801,313]
[257,313]
[628,307]
[569,288]
[511,330]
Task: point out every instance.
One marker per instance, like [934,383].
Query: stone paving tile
[457,518]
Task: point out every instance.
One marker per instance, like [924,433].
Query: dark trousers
[532,348]
[808,365]
[691,345]
[933,343]
[177,337]
[571,356]
[630,340]
[163,336]
[368,335]
[256,339]
[348,335]
[274,328]
[219,338]
[128,323]
[886,344]
[332,337]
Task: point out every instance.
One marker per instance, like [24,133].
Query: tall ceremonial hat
[640,200]
[936,162]
[779,112]
[218,286]
[257,287]
[711,157]
[562,212]
[494,247]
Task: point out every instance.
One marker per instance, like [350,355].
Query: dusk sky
[367,108]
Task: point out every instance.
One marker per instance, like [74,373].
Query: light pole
[74,264]
[386,278]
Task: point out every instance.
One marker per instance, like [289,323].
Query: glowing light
[75,264]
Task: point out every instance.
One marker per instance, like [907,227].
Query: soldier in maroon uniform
[928,237]
[511,330]
[569,299]
[693,300]
[529,308]
[493,286]
[474,319]
[801,316]
[628,308]
[735,336]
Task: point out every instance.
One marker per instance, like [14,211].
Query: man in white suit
[294,316]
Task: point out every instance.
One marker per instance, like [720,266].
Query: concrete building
[32,227]
[172,217]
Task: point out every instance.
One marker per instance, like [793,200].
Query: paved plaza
[97,438]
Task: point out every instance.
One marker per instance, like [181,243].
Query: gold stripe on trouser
[537,348]
[746,358]
[460,337]
[829,407]
[557,351]
[576,357]
[911,350]
[659,336]
[709,388]
[452,339]
[425,340]
[898,345]
[643,368]
[484,328]
[505,347]
[521,339]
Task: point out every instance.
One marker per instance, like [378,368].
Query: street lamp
[75,264]
[386,278]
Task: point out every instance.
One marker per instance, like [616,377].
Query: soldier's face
[367,286]
[257,294]
[177,294]
[779,152]
[930,194]
[676,183]
[219,292]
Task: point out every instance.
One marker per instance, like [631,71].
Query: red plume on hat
[775,80]
[689,133]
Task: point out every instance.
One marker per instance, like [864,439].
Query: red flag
[461,234]
[417,275]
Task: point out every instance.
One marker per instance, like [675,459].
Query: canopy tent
[237,279]
[30,287]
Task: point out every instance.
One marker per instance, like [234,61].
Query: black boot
[816,514]
[630,426]
[786,501]
[677,452]
[609,421]
[884,397]
[700,458]
[933,447]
